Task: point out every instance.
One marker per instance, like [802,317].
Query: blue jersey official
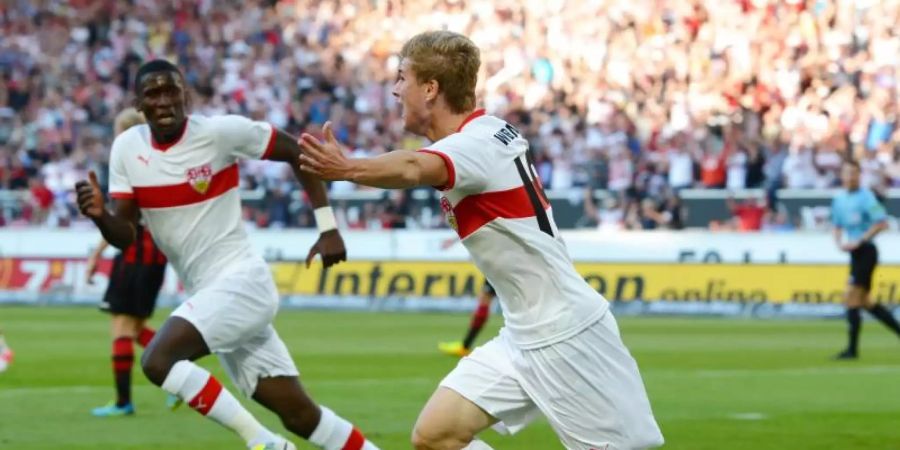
[858,217]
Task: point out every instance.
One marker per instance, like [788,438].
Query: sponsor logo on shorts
[200,177]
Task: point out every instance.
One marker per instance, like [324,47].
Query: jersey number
[535,192]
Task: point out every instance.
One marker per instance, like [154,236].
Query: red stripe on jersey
[355,441]
[207,396]
[184,194]
[475,114]
[451,169]
[122,195]
[476,211]
[164,147]
[271,145]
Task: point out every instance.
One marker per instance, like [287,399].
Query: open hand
[324,159]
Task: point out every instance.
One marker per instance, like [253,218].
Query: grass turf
[714,383]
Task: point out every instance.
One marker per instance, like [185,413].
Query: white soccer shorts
[234,315]
[588,387]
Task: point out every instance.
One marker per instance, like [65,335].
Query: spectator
[799,170]
[712,172]
[777,221]
[612,216]
[737,173]
[749,214]
[41,201]
[756,163]
[681,167]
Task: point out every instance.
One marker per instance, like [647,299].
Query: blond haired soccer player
[559,353]
[134,284]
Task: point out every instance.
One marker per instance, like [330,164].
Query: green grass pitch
[714,383]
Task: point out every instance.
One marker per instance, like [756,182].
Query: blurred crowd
[636,98]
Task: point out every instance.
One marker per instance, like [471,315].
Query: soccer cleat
[112,410]
[280,443]
[173,402]
[846,355]
[453,349]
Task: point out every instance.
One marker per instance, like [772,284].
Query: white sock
[477,445]
[335,433]
[207,396]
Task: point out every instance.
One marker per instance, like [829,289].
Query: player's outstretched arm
[394,170]
[118,229]
[330,244]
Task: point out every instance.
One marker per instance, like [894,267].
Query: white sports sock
[207,396]
[335,433]
[477,445]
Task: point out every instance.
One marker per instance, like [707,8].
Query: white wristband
[325,220]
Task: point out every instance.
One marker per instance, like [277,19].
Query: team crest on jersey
[200,177]
[448,211]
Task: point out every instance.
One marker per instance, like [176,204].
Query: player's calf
[205,394]
[167,363]
[428,439]
[176,341]
[299,413]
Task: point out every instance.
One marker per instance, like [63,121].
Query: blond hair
[449,58]
[126,119]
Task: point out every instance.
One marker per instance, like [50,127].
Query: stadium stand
[656,99]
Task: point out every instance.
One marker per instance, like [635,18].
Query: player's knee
[122,327]
[429,438]
[156,366]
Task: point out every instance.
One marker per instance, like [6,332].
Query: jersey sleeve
[244,138]
[468,166]
[119,186]
[873,208]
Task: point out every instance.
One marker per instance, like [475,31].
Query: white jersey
[496,204]
[187,191]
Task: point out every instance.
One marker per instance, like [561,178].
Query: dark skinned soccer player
[180,172]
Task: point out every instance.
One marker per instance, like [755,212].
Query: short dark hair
[154,65]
